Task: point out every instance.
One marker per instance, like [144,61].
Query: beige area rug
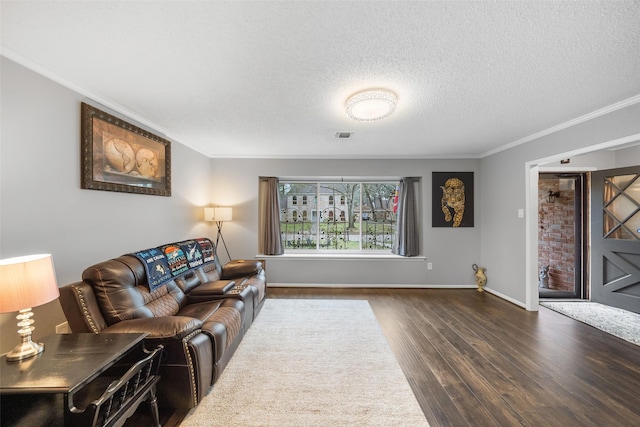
[311,363]
[615,321]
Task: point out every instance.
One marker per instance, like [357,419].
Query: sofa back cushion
[211,272]
[189,280]
[121,290]
[194,277]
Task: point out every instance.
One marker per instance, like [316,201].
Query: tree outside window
[365,219]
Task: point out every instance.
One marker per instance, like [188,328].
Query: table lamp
[26,282]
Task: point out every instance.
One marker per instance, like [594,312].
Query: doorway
[562,233]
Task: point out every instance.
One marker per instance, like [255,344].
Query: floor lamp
[219,216]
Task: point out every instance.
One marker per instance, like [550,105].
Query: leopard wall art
[453,199]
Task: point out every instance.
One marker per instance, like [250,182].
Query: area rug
[311,363]
[621,323]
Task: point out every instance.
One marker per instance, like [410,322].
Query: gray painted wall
[451,251]
[43,209]
[503,190]
[628,157]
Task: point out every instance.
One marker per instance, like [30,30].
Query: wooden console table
[44,389]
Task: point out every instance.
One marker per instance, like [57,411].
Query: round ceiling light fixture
[371,104]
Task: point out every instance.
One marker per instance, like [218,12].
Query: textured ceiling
[269,79]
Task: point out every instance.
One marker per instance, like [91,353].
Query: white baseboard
[504,297]
[394,286]
[366,285]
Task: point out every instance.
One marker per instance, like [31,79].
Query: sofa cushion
[231,318]
[240,267]
[172,327]
[224,328]
[122,293]
[212,289]
[189,281]
[201,311]
[210,272]
[257,282]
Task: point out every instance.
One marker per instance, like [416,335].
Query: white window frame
[315,211]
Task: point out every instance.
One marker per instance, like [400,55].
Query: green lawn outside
[376,235]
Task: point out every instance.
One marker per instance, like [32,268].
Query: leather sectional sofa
[199,314]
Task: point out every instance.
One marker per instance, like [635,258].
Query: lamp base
[24,350]
[27,348]
[220,236]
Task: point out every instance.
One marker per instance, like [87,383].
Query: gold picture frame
[119,156]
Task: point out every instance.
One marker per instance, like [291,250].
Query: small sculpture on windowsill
[480,276]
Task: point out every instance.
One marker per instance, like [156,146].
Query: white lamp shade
[26,282]
[218,214]
[209,214]
[223,214]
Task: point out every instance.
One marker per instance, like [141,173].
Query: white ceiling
[269,79]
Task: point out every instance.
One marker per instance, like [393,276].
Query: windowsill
[338,256]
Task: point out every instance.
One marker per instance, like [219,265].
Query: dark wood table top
[68,362]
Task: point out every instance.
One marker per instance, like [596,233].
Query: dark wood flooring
[476,360]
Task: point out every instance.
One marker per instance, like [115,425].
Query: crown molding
[589,116]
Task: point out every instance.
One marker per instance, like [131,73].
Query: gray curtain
[406,241]
[270,240]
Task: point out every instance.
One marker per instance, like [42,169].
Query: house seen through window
[338,216]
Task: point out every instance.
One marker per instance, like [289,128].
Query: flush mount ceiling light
[371,104]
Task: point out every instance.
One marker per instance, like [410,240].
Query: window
[364,220]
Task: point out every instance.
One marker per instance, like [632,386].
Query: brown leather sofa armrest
[81,308]
[218,287]
[241,268]
[173,327]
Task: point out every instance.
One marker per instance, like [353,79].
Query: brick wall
[556,234]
